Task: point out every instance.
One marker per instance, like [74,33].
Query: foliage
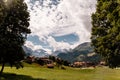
[13,31]
[105,31]
[2,11]
[59,61]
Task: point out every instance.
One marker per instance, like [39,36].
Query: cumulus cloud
[57,45]
[36,47]
[60,17]
[32,46]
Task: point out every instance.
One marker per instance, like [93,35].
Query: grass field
[33,72]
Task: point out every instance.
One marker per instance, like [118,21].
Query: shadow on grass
[10,76]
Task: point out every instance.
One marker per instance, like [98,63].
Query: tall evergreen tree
[106,31]
[13,32]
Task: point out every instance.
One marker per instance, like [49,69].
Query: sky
[59,24]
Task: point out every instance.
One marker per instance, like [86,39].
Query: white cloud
[32,46]
[70,16]
[57,45]
[48,51]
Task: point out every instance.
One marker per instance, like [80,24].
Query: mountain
[83,47]
[55,53]
[40,53]
[36,53]
[83,52]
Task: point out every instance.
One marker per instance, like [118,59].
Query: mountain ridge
[83,52]
[36,53]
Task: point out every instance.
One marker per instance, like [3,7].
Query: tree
[2,12]
[106,31]
[13,32]
[53,58]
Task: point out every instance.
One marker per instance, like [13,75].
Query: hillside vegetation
[83,52]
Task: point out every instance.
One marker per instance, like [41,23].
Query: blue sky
[70,38]
[59,24]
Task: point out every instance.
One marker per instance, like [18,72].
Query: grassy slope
[37,73]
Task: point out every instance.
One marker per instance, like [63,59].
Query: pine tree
[106,31]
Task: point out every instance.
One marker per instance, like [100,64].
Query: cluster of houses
[51,63]
[80,64]
[40,60]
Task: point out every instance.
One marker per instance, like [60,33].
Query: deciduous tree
[13,31]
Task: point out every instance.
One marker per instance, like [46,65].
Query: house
[102,63]
[46,61]
[83,64]
[30,59]
[79,64]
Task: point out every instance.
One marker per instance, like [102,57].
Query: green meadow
[35,72]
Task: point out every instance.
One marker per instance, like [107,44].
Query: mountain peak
[83,52]
[83,46]
[37,52]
